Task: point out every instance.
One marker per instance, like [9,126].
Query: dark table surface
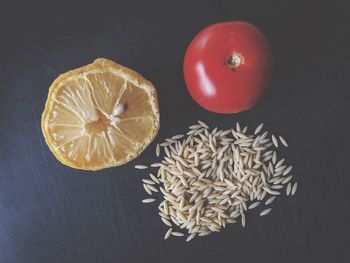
[52,213]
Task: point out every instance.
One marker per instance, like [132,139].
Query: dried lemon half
[100,115]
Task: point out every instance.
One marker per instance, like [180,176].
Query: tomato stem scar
[233,60]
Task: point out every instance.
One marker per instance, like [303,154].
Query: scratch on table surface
[122,214]
[41,62]
[38,132]
[125,222]
[98,214]
[37,124]
[126,36]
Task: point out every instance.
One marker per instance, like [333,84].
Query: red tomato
[227,67]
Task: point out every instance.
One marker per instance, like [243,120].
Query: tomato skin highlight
[210,79]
